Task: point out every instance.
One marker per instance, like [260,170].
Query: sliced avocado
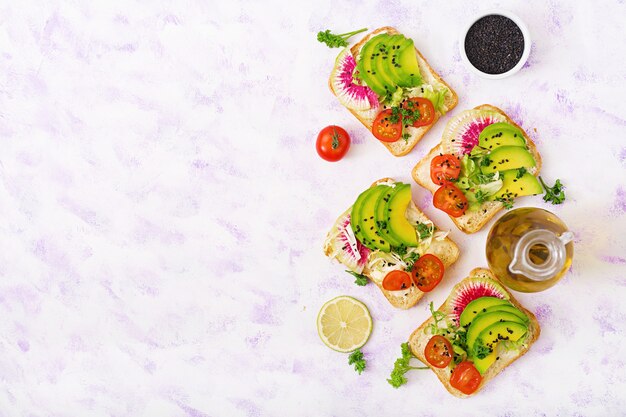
[406,58]
[483,364]
[509,308]
[366,61]
[381,58]
[501,134]
[484,320]
[381,222]
[391,67]
[476,306]
[508,157]
[492,335]
[513,187]
[367,220]
[355,215]
[395,209]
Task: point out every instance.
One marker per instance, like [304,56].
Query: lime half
[344,324]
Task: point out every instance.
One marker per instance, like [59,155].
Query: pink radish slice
[462,132]
[347,88]
[346,247]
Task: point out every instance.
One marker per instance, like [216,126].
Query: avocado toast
[384,235]
[384,71]
[497,161]
[485,328]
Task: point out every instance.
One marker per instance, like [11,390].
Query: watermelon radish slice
[348,88]
[461,133]
[345,246]
[469,290]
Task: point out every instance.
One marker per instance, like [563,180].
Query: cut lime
[344,324]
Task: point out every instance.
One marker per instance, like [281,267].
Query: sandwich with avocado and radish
[386,83]
[384,238]
[483,163]
[477,332]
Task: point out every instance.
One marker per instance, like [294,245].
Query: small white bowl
[525,53]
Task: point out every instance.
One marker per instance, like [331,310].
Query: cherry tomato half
[332,143]
[444,168]
[450,199]
[465,377]
[425,107]
[397,280]
[427,272]
[384,130]
[438,351]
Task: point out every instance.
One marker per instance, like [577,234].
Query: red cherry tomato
[465,377]
[438,351]
[332,143]
[425,107]
[444,168]
[384,130]
[450,199]
[397,280]
[427,272]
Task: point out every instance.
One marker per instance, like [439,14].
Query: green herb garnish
[481,196]
[520,173]
[424,231]
[336,41]
[480,350]
[507,201]
[361,280]
[356,359]
[402,366]
[400,250]
[410,261]
[555,194]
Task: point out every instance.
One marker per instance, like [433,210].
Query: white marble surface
[162,209]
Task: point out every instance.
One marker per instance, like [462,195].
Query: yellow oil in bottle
[529,249]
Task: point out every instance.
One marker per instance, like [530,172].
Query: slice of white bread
[445,249]
[472,221]
[402,147]
[420,337]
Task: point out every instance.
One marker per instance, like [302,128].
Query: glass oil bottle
[529,249]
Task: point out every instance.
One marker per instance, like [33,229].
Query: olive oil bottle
[529,249]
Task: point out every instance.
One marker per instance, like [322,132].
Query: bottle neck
[540,254]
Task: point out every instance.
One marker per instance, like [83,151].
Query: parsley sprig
[410,261]
[361,280]
[554,194]
[506,201]
[356,359]
[336,41]
[401,366]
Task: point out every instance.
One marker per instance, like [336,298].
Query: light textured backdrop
[162,209]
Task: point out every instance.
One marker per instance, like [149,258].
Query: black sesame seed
[494,44]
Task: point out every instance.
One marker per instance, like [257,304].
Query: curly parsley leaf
[410,260]
[356,359]
[401,366]
[481,196]
[361,280]
[424,231]
[336,41]
[480,350]
[554,194]
[508,202]
[520,172]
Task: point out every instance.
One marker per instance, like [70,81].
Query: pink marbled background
[162,209]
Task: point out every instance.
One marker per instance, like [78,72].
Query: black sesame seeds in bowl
[495,44]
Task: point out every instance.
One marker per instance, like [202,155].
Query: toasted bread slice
[420,337]
[473,221]
[445,249]
[402,147]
